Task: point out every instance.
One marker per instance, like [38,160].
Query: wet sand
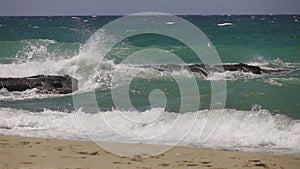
[39,153]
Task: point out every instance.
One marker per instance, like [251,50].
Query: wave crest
[246,130]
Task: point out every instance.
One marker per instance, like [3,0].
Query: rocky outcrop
[199,69]
[205,70]
[44,83]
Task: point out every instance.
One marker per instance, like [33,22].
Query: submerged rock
[44,83]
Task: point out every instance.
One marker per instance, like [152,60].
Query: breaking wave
[255,130]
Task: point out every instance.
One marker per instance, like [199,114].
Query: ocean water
[261,112]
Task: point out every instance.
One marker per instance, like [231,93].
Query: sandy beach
[23,152]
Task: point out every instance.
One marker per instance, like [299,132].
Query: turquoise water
[49,45]
[272,39]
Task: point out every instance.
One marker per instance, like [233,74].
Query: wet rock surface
[203,70]
[44,83]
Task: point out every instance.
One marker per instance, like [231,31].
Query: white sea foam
[75,18]
[170,23]
[232,76]
[34,50]
[246,130]
[283,81]
[274,82]
[40,124]
[24,95]
[225,24]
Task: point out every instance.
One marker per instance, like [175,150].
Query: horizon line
[190,14]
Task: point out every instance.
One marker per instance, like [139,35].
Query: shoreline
[37,153]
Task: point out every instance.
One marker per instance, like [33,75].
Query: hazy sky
[123,7]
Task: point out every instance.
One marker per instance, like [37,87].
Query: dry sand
[23,152]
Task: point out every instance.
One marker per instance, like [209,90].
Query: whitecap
[170,23]
[75,18]
[225,24]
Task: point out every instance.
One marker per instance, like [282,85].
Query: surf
[256,130]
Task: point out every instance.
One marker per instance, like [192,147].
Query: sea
[260,112]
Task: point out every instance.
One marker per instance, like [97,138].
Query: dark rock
[197,68]
[204,70]
[45,84]
[243,68]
